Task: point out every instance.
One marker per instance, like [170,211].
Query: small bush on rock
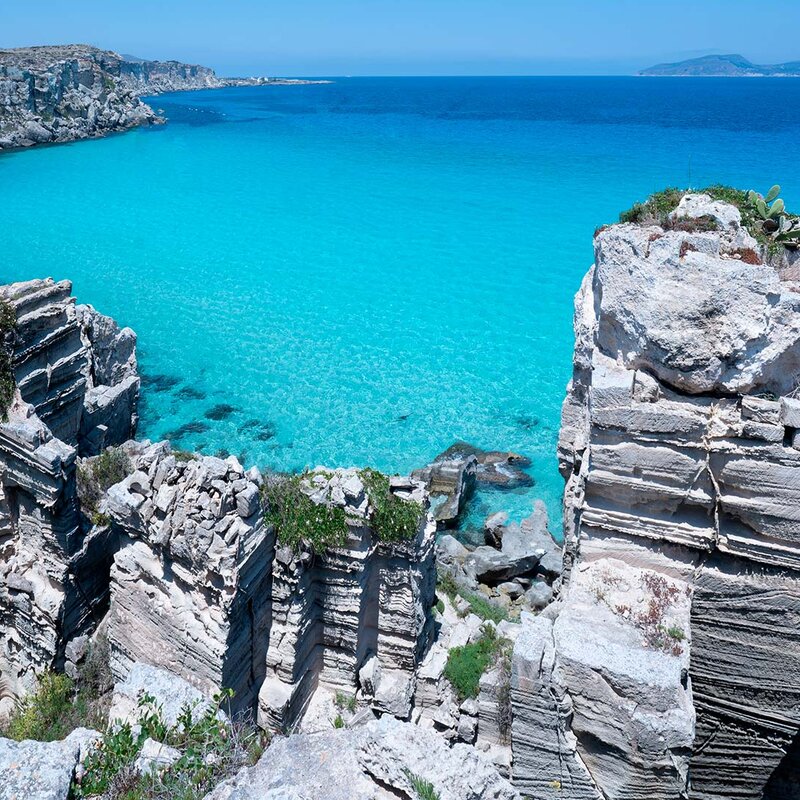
[96,476]
[483,608]
[60,705]
[393,519]
[211,749]
[465,665]
[42,714]
[298,519]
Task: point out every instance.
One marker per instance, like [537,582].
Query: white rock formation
[170,692]
[54,573]
[42,770]
[373,762]
[190,586]
[359,610]
[679,447]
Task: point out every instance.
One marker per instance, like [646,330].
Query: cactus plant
[774,220]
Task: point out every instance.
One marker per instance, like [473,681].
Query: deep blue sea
[370,270]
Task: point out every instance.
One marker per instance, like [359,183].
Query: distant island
[728,66]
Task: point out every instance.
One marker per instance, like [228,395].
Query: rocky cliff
[176,548]
[69,92]
[63,359]
[682,572]
[59,94]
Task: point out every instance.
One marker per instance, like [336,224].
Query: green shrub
[466,664]
[483,608]
[656,209]
[42,715]
[424,789]
[211,749]
[61,705]
[8,321]
[343,700]
[96,476]
[298,519]
[446,584]
[393,519]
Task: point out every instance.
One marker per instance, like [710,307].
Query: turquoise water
[370,270]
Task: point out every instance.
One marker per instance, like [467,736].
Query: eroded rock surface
[191,582]
[54,570]
[678,443]
[372,762]
[41,770]
[356,618]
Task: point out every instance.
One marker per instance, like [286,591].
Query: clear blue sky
[413,37]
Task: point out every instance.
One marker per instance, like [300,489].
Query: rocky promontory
[68,92]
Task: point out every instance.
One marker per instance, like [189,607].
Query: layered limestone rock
[191,581]
[680,450]
[54,569]
[377,761]
[355,618]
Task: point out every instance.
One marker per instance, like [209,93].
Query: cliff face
[52,587]
[680,449]
[175,557]
[59,94]
[69,92]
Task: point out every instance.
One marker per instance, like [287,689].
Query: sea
[367,271]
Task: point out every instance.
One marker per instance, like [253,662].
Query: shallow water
[364,272]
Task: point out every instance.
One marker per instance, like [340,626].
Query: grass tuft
[393,519]
[465,665]
[424,789]
[298,519]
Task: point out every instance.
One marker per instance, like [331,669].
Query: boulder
[523,549]
[450,482]
[42,770]
[155,757]
[699,321]
[171,693]
[373,761]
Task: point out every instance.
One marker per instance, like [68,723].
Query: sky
[413,37]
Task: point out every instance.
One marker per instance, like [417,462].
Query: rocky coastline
[64,93]
[339,620]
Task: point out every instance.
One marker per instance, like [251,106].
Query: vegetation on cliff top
[657,208]
[96,476]
[299,520]
[393,519]
[8,320]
